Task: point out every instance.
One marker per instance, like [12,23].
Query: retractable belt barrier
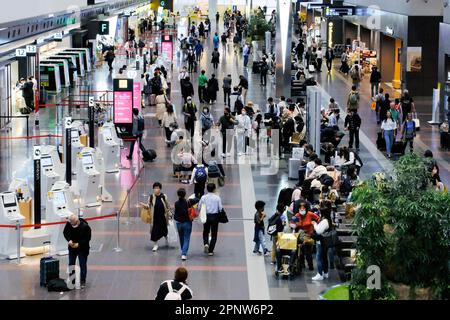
[32,137]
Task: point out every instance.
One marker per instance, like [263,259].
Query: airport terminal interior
[273,149]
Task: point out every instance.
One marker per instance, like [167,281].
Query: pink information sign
[123,107]
[137,95]
[167,50]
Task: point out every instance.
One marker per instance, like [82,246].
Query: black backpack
[213,170]
[57,285]
[326,180]
[141,124]
[272,226]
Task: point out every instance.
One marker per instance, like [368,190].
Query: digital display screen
[87,159]
[107,133]
[137,95]
[46,161]
[167,50]
[123,84]
[9,200]
[123,106]
[74,134]
[59,198]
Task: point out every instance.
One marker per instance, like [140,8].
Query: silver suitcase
[294,165]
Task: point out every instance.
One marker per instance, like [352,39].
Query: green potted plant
[403,227]
[257,27]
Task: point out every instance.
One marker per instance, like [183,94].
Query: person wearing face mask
[305,223]
[206,120]
[160,215]
[388,126]
[227,123]
[243,130]
[78,234]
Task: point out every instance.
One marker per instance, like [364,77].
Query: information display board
[123,107]
[167,47]
[137,95]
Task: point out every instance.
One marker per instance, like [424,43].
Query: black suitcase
[445,140]
[381,143]
[49,269]
[399,148]
[149,155]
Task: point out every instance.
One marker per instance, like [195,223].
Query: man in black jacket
[78,233]
[329,57]
[178,289]
[375,80]
[28,93]
[352,124]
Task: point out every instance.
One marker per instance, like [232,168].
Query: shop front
[444,69]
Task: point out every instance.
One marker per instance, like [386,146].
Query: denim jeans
[184,232]
[322,258]
[389,138]
[82,259]
[261,242]
[376,86]
[245,60]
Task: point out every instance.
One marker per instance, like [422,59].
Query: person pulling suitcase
[138,132]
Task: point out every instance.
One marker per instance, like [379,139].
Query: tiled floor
[136,272]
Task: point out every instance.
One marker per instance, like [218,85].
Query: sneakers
[206,248]
[224,155]
[83,285]
[267,253]
[211,254]
[317,277]
[257,252]
[183,257]
[155,248]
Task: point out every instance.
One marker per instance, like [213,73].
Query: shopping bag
[202,214]
[373,105]
[416,121]
[311,68]
[146,216]
[221,181]
[172,235]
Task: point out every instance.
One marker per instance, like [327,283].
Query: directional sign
[68,121]
[91,102]
[21,52]
[31,49]
[36,152]
[58,36]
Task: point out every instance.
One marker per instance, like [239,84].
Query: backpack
[355,74]
[213,170]
[174,294]
[200,175]
[272,227]
[326,180]
[353,98]
[206,122]
[141,124]
[57,285]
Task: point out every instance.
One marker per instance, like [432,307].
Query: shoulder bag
[145,213]
[222,216]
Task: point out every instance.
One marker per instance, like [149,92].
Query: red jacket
[305,222]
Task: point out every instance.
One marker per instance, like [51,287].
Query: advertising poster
[137,94]
[167,50]
[123,107]
[414,57]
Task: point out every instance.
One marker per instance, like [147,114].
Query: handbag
[373,105]
[222,216]
[203,214]
[172,238]
[330,238]
[145,213]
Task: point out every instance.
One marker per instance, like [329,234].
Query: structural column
[283,48]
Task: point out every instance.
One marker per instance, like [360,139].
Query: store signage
[330,34]
[21,52]
[339,11]
[389,31]
[58,36]
[137,95]
[123,107]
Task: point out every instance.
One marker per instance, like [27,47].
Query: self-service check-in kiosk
[58,166]
[71,61]
[78,59]
[63,70]
[88,178]
[109,148]
[77,146]
[86,57]
[9,215]
[49,176]
[60,206]
[50,78]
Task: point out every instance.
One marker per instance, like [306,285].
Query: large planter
[339,292]
[404,292]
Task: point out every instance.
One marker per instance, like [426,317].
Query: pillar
[212,9]
[283,48]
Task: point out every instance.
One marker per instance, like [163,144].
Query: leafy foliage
[257,27]
[403,227]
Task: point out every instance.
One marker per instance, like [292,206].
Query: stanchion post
[117,248]
[28,129]
[19,241]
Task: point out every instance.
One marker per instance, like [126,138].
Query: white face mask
[75,226]
[302,212]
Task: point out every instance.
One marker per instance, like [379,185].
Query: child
[259,237]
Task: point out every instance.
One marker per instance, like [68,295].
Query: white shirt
[319,54]
[318,172]
[309,168]
[388,124]
[244,124]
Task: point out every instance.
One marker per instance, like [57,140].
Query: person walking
[385,106]
[353,99]
[319,59]
[227,123]
[175,289]
[187,89]
[329,57]
[202,81]
[199,177]
[409,131]
[215,58]
[408,105]
[217,19]
[109,58]
[216,41]
[28,93]
[227,89]
[243,86]
[183,222]
[161,103]
[169,122]
[198,51]
[379,100]
[246,54]
[264,68]
[388,126]
[243,132]
[356,75]
[213,205]
[259,237]
[352,124]
[191,60]
[375,80]
[160,215]
[344,63]
[137,131]
[206,120]
[190,116]
[77,233]
[213,87]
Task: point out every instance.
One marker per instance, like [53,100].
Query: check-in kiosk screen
[107,133]
[87,159]
[9,200]
[59,198]
[46,161]
[74,134]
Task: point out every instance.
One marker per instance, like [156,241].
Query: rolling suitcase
[399,148]
[48,269]
[149,155]
[294,164]
[381,143]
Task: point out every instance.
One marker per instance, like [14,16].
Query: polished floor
[136,272]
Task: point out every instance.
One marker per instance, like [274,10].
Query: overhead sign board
[21,52]
[58,36]
[339,11]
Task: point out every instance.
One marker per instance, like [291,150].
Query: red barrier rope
[57,222]
[32,137]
